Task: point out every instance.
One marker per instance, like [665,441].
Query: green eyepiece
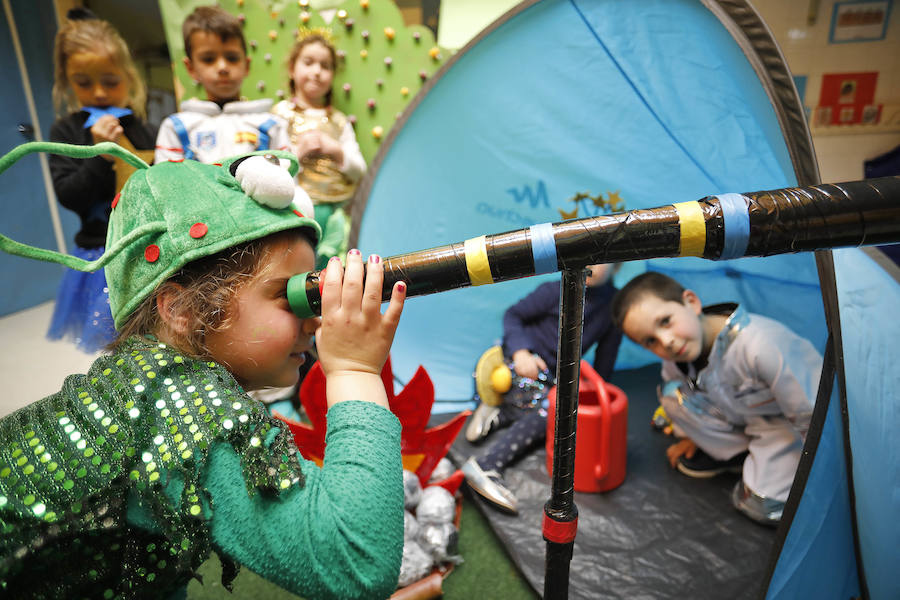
[297,298]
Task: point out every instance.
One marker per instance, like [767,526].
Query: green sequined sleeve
[340,535]
[101,484]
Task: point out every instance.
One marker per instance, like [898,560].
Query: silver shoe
[490,486]
[759,508]
[485,419]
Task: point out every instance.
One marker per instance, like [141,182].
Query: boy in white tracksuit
[739,388]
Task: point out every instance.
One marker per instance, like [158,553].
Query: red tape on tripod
[560,532]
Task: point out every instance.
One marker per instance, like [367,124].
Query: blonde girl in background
[97,84]
[322,138]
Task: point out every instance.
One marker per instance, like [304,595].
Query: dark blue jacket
[533,323]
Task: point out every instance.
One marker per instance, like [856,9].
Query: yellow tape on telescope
[693,228]
[477,261]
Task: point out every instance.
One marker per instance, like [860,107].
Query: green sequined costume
[120,485]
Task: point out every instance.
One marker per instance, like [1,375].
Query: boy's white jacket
[757,367]
[217,132]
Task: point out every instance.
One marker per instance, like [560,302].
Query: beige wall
[804,41]
[461,20]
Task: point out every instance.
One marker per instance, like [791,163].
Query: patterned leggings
[526,431]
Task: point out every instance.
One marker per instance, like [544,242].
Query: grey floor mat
[659,535]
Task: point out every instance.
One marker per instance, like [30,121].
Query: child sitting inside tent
[530,339]
[739,388]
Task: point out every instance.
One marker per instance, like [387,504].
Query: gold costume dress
[329,184]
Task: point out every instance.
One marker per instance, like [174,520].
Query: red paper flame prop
[421,448]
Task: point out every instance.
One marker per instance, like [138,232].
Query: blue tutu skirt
[82,314]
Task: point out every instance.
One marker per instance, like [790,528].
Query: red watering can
[600,434]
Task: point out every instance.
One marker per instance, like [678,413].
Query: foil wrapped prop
[412,490]
[431,535]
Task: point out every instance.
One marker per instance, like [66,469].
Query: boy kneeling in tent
[738,388]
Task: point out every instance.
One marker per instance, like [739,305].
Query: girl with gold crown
[323,139]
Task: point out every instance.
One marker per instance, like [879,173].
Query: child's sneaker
[490,486]
[704,466]
[759,508]
[484,420]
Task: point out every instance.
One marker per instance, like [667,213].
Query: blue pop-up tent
[657,101]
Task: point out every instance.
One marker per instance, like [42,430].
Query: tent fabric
[565,97]
[816,515]
[659,101]
[868,295]
[758,44]
[858,448]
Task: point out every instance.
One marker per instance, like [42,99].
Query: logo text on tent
[536,197]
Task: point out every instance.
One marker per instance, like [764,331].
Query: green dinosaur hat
[173,213]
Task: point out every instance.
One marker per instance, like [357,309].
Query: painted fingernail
[333,259]
[401,286]
[374,259]
[354,252]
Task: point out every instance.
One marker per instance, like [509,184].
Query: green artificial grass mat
[487,571]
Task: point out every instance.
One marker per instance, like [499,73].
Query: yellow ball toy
[501,379]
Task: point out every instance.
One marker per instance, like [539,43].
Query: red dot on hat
[151,253]
[116,200]
[198,230]
[176,160]
[298,213]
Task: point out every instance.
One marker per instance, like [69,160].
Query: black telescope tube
[798,219]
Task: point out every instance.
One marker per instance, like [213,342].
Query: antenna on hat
[19,249]
[73,150]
